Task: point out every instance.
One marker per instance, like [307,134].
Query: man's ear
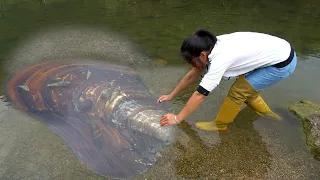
[203,56]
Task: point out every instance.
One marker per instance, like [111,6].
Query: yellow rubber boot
[231,106]
[226,115]
[260,106]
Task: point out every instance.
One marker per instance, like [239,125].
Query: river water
[146,35]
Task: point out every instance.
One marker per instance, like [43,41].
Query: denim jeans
[264,77]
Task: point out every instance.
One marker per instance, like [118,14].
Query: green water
[254,148]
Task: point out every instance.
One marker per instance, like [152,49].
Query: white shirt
[241,52]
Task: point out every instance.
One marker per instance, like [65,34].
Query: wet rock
[309,113]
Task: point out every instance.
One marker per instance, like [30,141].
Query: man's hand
[164,98]
[169,119]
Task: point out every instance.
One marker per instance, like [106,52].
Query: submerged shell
[101,117]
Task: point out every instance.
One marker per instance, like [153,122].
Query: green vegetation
[309,113]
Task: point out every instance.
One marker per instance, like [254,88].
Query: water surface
[254,148]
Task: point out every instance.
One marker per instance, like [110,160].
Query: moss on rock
[309,113]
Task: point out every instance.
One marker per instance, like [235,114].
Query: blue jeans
[268,76]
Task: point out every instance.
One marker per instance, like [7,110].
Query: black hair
[201,40]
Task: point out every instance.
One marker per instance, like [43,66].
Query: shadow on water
[241,152]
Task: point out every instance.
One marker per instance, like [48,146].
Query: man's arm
[190,77]
[194,101]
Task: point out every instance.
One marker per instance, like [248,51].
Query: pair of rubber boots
[240,92]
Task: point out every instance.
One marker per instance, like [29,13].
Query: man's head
[196,48]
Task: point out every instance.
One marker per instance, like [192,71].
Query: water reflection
[241,152]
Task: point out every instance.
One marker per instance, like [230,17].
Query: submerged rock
[309,113]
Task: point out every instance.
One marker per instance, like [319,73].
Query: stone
[309,113]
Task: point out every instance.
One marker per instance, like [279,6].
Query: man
[258,60]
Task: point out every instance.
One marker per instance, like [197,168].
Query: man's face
[199,62]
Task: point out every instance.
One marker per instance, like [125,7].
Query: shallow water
[146,31]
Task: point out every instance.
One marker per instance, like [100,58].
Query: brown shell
[76,109]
